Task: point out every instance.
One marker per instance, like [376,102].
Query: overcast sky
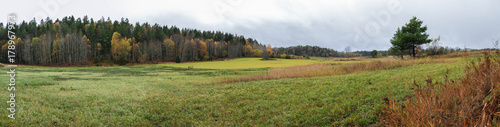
[361,24]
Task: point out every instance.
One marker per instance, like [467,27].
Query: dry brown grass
[472,100]
[325,69]
[458,54]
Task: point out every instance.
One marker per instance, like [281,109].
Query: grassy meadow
[249,63]
[173,95]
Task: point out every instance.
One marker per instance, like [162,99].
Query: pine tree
[410,36]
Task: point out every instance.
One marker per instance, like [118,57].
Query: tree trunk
[413,52]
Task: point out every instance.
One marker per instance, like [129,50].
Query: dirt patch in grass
[39,84]
[61,78]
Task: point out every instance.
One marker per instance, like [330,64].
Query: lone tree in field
[348,52]
[265,55]
[410,36]
[374,53]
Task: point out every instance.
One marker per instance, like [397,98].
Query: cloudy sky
[361,24]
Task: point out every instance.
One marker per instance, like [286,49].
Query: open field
[218,63]
[246,63]
[317,57]
[171,94]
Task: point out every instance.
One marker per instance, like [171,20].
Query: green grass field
[172,95]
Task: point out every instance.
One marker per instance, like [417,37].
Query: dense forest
[306,51]
[71,41]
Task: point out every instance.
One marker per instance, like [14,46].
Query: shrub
[471,101]
[374,53]
[110,63]
[178,59]
[265,56]
[98,59]
[143,58]
[122,61]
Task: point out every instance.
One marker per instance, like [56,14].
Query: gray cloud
[332,24]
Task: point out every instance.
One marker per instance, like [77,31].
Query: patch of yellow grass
[246,63]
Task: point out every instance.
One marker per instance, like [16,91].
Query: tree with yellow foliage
[257,52]
[247,50]
[169,48]
[120,48]
[202,50]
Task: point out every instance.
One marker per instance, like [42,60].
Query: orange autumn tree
[269,49]
[247,49]
[202,50]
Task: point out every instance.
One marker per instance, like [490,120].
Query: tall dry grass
[473,100]
[325,69]
[458,54]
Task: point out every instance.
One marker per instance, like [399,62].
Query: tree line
[71,41]
[306,51]
[76,41]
